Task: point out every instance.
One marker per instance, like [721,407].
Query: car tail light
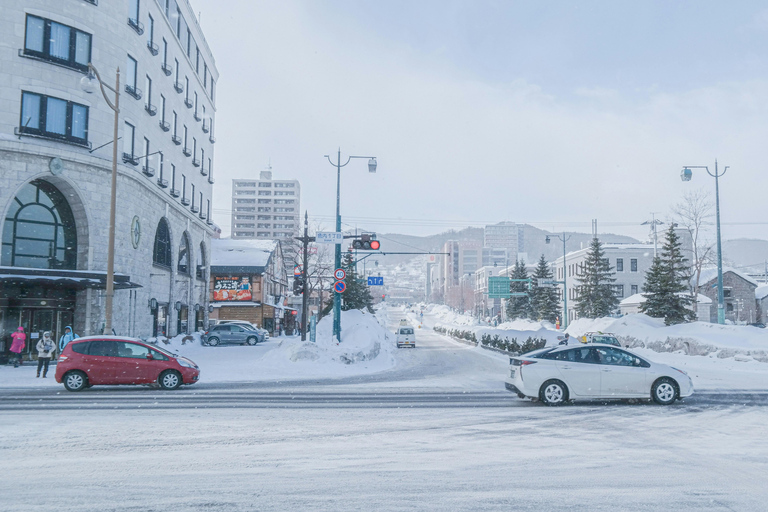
[63,358]
[526,363]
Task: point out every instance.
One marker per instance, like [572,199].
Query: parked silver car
[231,333]
[264,334]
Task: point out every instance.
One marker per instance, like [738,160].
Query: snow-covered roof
[639,298]
[761,292]
[710,273]
[226,252]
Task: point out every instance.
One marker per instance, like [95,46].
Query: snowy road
[437,432]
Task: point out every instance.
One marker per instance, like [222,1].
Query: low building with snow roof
[738,294]
[631,305]
[761,300]
[249,282]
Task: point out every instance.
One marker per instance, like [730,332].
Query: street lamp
[88,85]
[565,279]
[686,174]
[337,258]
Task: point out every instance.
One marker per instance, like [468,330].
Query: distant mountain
[534,242]
[748,254]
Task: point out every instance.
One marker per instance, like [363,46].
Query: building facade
[739,295]
[265,208]
[56,166]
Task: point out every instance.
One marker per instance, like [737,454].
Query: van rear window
[406,331]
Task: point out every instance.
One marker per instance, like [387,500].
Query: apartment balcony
[151,109]
[162,183]
[134,91]
[128,158]
[176,140]
[179,87]
[136,25]
[166,69]
[165,126]
[148,171]
[153,49]
[175,192]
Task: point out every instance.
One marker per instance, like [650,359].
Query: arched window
[200,262]
[39,230]
[162,252]
[183,264]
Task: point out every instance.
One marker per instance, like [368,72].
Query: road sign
[339,286]
[498,287]
[329,237]
[297,270]
[375,281]
[546,282]
[339,274]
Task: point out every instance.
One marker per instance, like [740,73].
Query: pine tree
[519,307]
[357,294]
[545,300]
[666,284]
[595,295]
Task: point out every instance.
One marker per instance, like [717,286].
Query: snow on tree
[519,307]
[545,300]
[595,295]
[357,294]
[666,284]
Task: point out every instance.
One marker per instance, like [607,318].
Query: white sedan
[594,371]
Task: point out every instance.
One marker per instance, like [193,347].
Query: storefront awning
[79,279]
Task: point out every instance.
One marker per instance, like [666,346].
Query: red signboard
[232,288]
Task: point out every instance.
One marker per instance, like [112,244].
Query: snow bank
[696,338]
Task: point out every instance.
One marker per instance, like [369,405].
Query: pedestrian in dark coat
[45,349]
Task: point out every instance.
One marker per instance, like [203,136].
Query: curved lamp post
[88,84]
[337,258]
[686,174]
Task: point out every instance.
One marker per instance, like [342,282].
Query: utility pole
[653,222]
[305,273]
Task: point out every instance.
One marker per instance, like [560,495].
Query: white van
[405,337]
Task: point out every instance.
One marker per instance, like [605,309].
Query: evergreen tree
[666,284]
[519,307]
[357,294]
[545,300]
[595,295]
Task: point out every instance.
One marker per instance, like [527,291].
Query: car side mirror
[149,356]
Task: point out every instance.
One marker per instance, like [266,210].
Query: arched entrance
[38,232]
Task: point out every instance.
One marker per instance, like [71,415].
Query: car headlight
[186,362]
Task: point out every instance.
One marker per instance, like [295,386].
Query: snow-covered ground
[366,348]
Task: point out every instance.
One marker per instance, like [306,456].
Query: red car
[111,360]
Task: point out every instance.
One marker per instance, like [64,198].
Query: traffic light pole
[304,269]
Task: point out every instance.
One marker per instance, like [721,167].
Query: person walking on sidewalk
[45,348]
[68,336]
[19,342]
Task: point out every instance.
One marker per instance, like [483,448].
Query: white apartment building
[56,165]
[505,235]
[265,208]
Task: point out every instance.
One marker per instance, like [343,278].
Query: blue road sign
[375,281]
[339,286]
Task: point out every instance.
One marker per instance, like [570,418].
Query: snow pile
[696,338]
[448,316]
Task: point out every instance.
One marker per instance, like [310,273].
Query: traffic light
[365,243]
[298,284]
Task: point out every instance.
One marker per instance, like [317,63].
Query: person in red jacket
[19,342]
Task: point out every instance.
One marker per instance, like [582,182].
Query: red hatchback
[114,360]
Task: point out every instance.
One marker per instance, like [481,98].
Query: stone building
[738,294]
[56,166]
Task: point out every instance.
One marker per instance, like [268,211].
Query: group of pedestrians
[46,347]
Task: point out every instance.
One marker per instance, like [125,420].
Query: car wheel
[75,381]
[252,340]
[169,379]
[664,391]
[553,392]
[213,341]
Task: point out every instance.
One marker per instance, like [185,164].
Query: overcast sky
[550,113]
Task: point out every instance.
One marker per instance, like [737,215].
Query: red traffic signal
[366,244]
[375,245]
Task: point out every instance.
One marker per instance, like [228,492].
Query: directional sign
[546,282]
[329,237]
[339,286]
[375,281]
[498,287]
[339,274]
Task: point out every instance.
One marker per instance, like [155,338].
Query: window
[151,33]
[192,195]
[183,260]
[145,156]
[727,292]
[265,192]
[175,123]
[245,209]
[619,265]
[162,251]
[212,90]
[54,118]
[186,150]
[133,11]
[128,138]
[265,201]
[264,185]
[245,192]
[189,43]
[244,201]
[248,217]
[184,199]
[39,230]
[165,57]
[61,44]
[283,201]
[264,209]
[162,109]
[263,226]
[244,225]
[176,69]
[132,350]
[130,78]
[200,262]
[148,97]
[619,290]
[633,265]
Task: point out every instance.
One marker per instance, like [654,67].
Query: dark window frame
[45,54]
[41,131]
[162,250]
